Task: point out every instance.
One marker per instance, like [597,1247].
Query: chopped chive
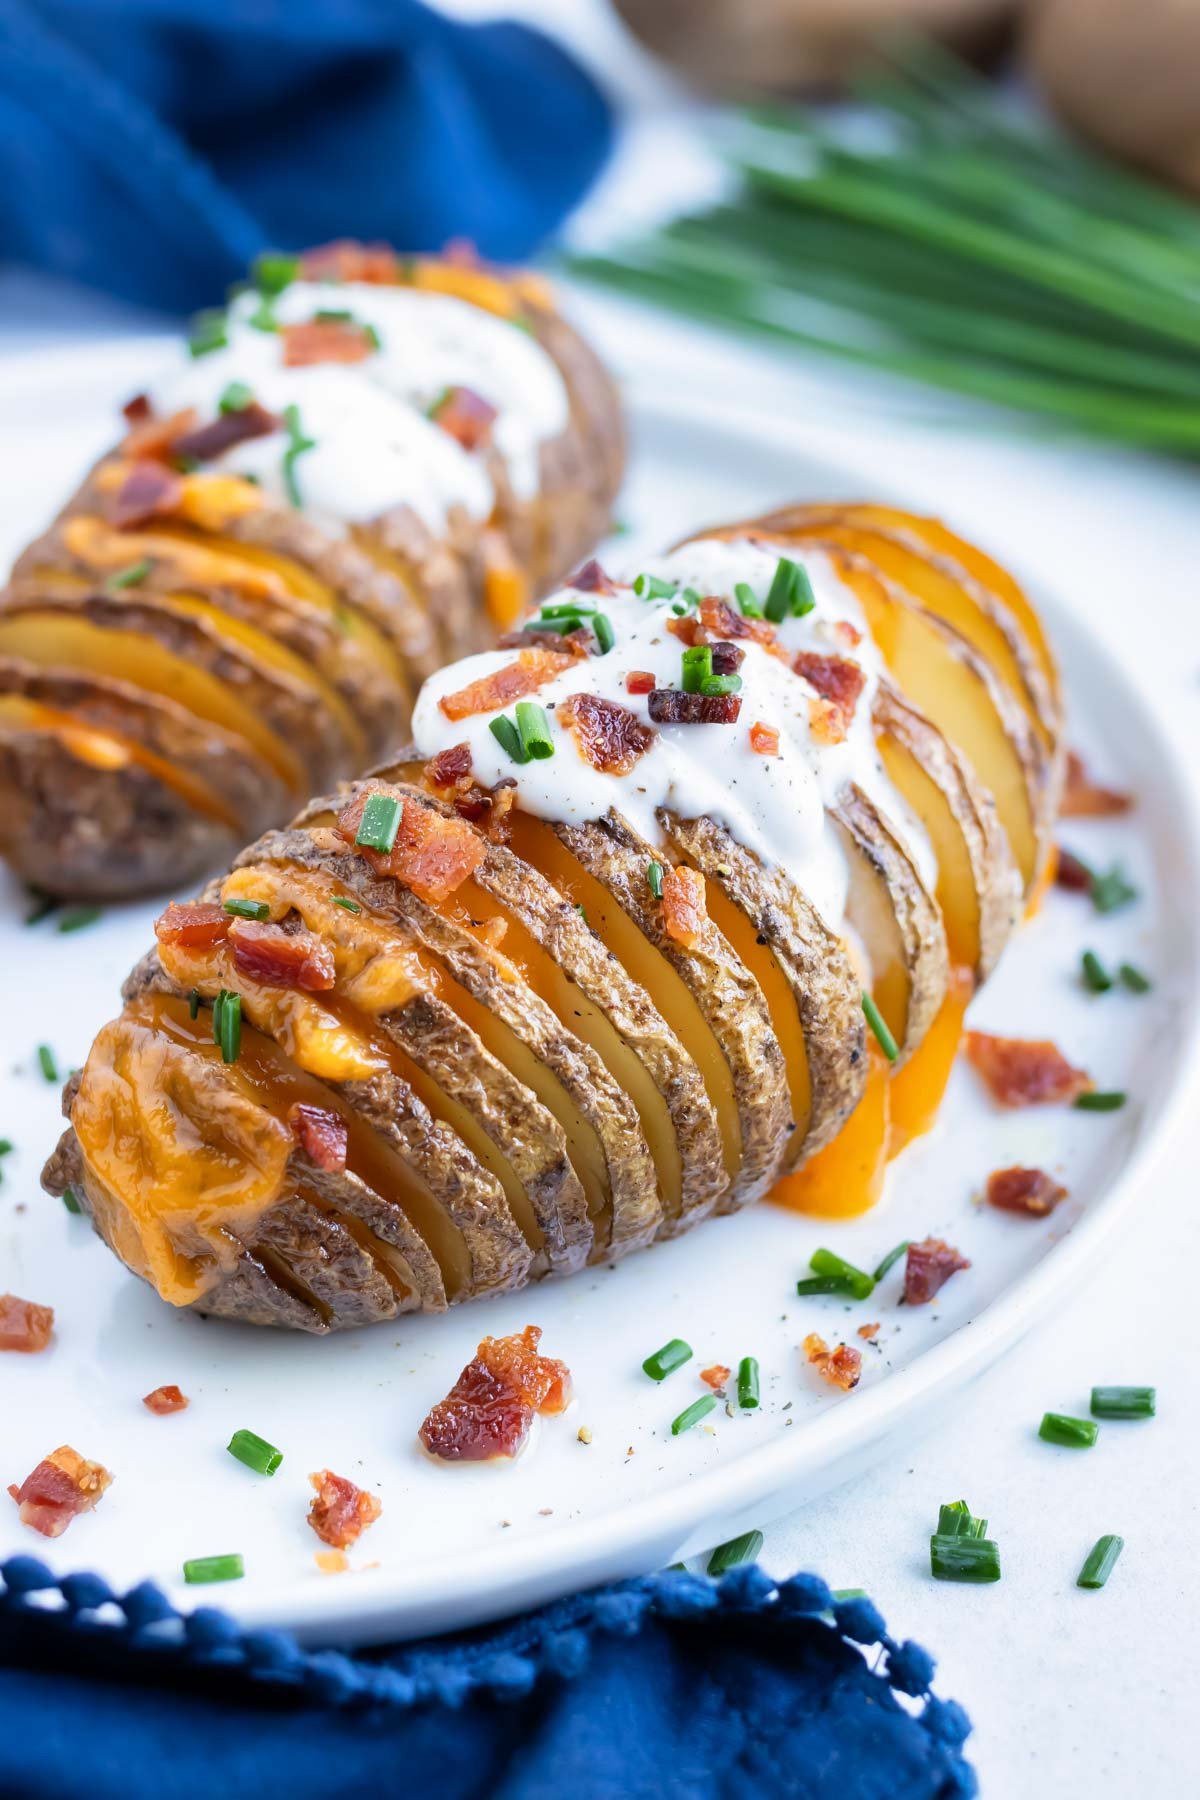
[230,1039]
[747,1383]
[603,632]
[1101,1560]
[130,576]
[839,1594]
[679,610]
[875,1020]
[350,906]
[692,1415]
[691,598]
[1073,1434]
[43,906]
[6,1146]
[248,909]
[1095,976]
[721,684]
[653,587]
[1124,1402]
[1112,890]
[1133,979]
[566,609]
[209,332]
[49,1067]
[960,1558]
[661,1363]
[217,1010]
[297,445]
[333,315]
[957,1520]
[742,1549]
[508,738]
[214,1568]
[194,1004]
[1100,1100]
[654,875]
[235,398]
[890,1260]
[79,918]
[747,601]
[826,1262]
[379,823]
[697,667]
[255,1452]
[533,725]
[822,1284]
[272,272]
[263,317]
[790,594]
[70,1202]
[581,909]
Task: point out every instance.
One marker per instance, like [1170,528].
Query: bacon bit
[331,1562]
[488,808]
[230,428]
[532,669]
[63,1486]
[716,1378]
[325,341]
[687,630]
[149,489]
[322,1135]
[347,260]
[839,683]
[449,768]
[138,410]
[490,1408]
[278,958]
[609,737]
[591,579]
[639,681]
[165,1400]
[928,1267]
[720,621]
[199,926]
[1025,1071]
[433,855]
[576,643]
[1084,799]
[869,1332]
[671,706]
[727,659]
[24,1325]
[1070,873]
[685,906]
[1030,1192]
[764,739]
[840,1368]
[157,439]
[466,416]
[341,1512]
[848,635]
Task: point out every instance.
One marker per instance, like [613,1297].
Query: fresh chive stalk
[227,1024]
[603,632]
[1100,1100]
[272,272]
[508,738]
[876,1021]
[1112,891]
[70,1202]
[132,575]
[42,906]
[533,729]
[823,1284]
[297,445]
[213,1568]
[235,398]
[653,587]
[957,1557]
[747,601]
[661,1363]
[790,594]
[692,1415]
[1072,1434]
[1095,976]
[957,1520]
[857,1281]
[194,1004]
[697,668]
[248,909]
[1124,1402]
[209,332]
[1133,979]
[747,1383]
[46,1062]
[379,823]
[79,918]
[654,875]
[721,684]
[1101,1561]
[255,1452]
[738,1550]
[890,1260]
[350,906]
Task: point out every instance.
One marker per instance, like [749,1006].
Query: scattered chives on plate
[857,1281]
[1133,979]
[661,1363]
[738,1550]
[1073,1434]
[957,1520]
[79,918]
[1099,1100]
[1124,1402]
[821,1284]
[255,1452]
[214,1568]
[882,1035]
[1095,976]
[957,1557]
[46,1062]
[747,1383]
[692,1415]
[890,1260]
[1101,1561]
[70,1202]
[248,909]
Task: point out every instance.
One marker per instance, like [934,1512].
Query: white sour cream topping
[774,805]
[374,447]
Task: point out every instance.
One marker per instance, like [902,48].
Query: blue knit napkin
[669,1687]
[154,147]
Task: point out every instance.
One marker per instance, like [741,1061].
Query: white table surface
[1072,1694]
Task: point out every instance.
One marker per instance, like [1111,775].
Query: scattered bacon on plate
[838,683]
[639,681]
[841,1367]
[591,579]
[340,1512]
[764,740]
[512,681]
[685,906]
[1070,873]
[928,1267]
[198,926]
[164,1400]
[610,737]
[869,1332]
[432,854]
[1084,798]
[489,1410]
[672,706]
[466,416]
[63,1485]
[277,957]
[325,341]
[24,1325]
[1030,1192]
[717,1378]
[1025,1071]
[321,1134]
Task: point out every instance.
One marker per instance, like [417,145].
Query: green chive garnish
[738,1550]
[1133,979]
[890,1260]
[574,610]
[217,1010]
[747,601]
[857,1281]
[508,738]
[747,1383]
[533,727]
[263,317]
[697,667]
[653,587]
[581,909]
[272,272]
[1112,891]
[79,917]
[836,1594]
[214,1568]
[380,822]
[350,906]
[43,906]
[130,576]
[194,1004]
[70,1202]
[6,1146]
[1074,1434]
[248,909]
[603,632]
[692,1415]
[691,598]
[297,445]
[790,594]
[49,1067]
[1099,1101]
[255,1452]
[961,1558]
[235,398]
[821,1284]
[883,1036]
[957,1520]
[333,315]
[1101,1561]
[1124,1402]
[721,684]
[209,332]
[230,1038]
[1095,976]
[654,875]
[661,1363]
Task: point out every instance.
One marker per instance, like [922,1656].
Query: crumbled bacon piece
[279,958]
[848,635]
[671,706]
[609,737]
[727,659]
[63,1485]
[839,683]
[226,430]
[639,681]
[348,260]
[163,1400]
[928,1267]
[869,1332]
[576,643]
[531,670]
[432,854]
[1085,799]
[154,438]
[591,579]
[1025,1071]
[1030,1192]
[487,808]
[449,767]
[490,1408]
[322,1135]
[138,410]
[1070,873]
[716,1378]
[685,906]
[841,1367]
[24,1325]
[764,739]
[340,1512]
[198,926]
[325,341]
[466,416]
[149,488]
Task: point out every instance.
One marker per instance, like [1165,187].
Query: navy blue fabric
[670,1687]
[153,147]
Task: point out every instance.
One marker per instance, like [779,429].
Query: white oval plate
[459,1546]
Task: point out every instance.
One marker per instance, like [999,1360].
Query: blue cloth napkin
[669,1687]
[153,147]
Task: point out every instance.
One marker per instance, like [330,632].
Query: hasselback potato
[678,901]
[367,464]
